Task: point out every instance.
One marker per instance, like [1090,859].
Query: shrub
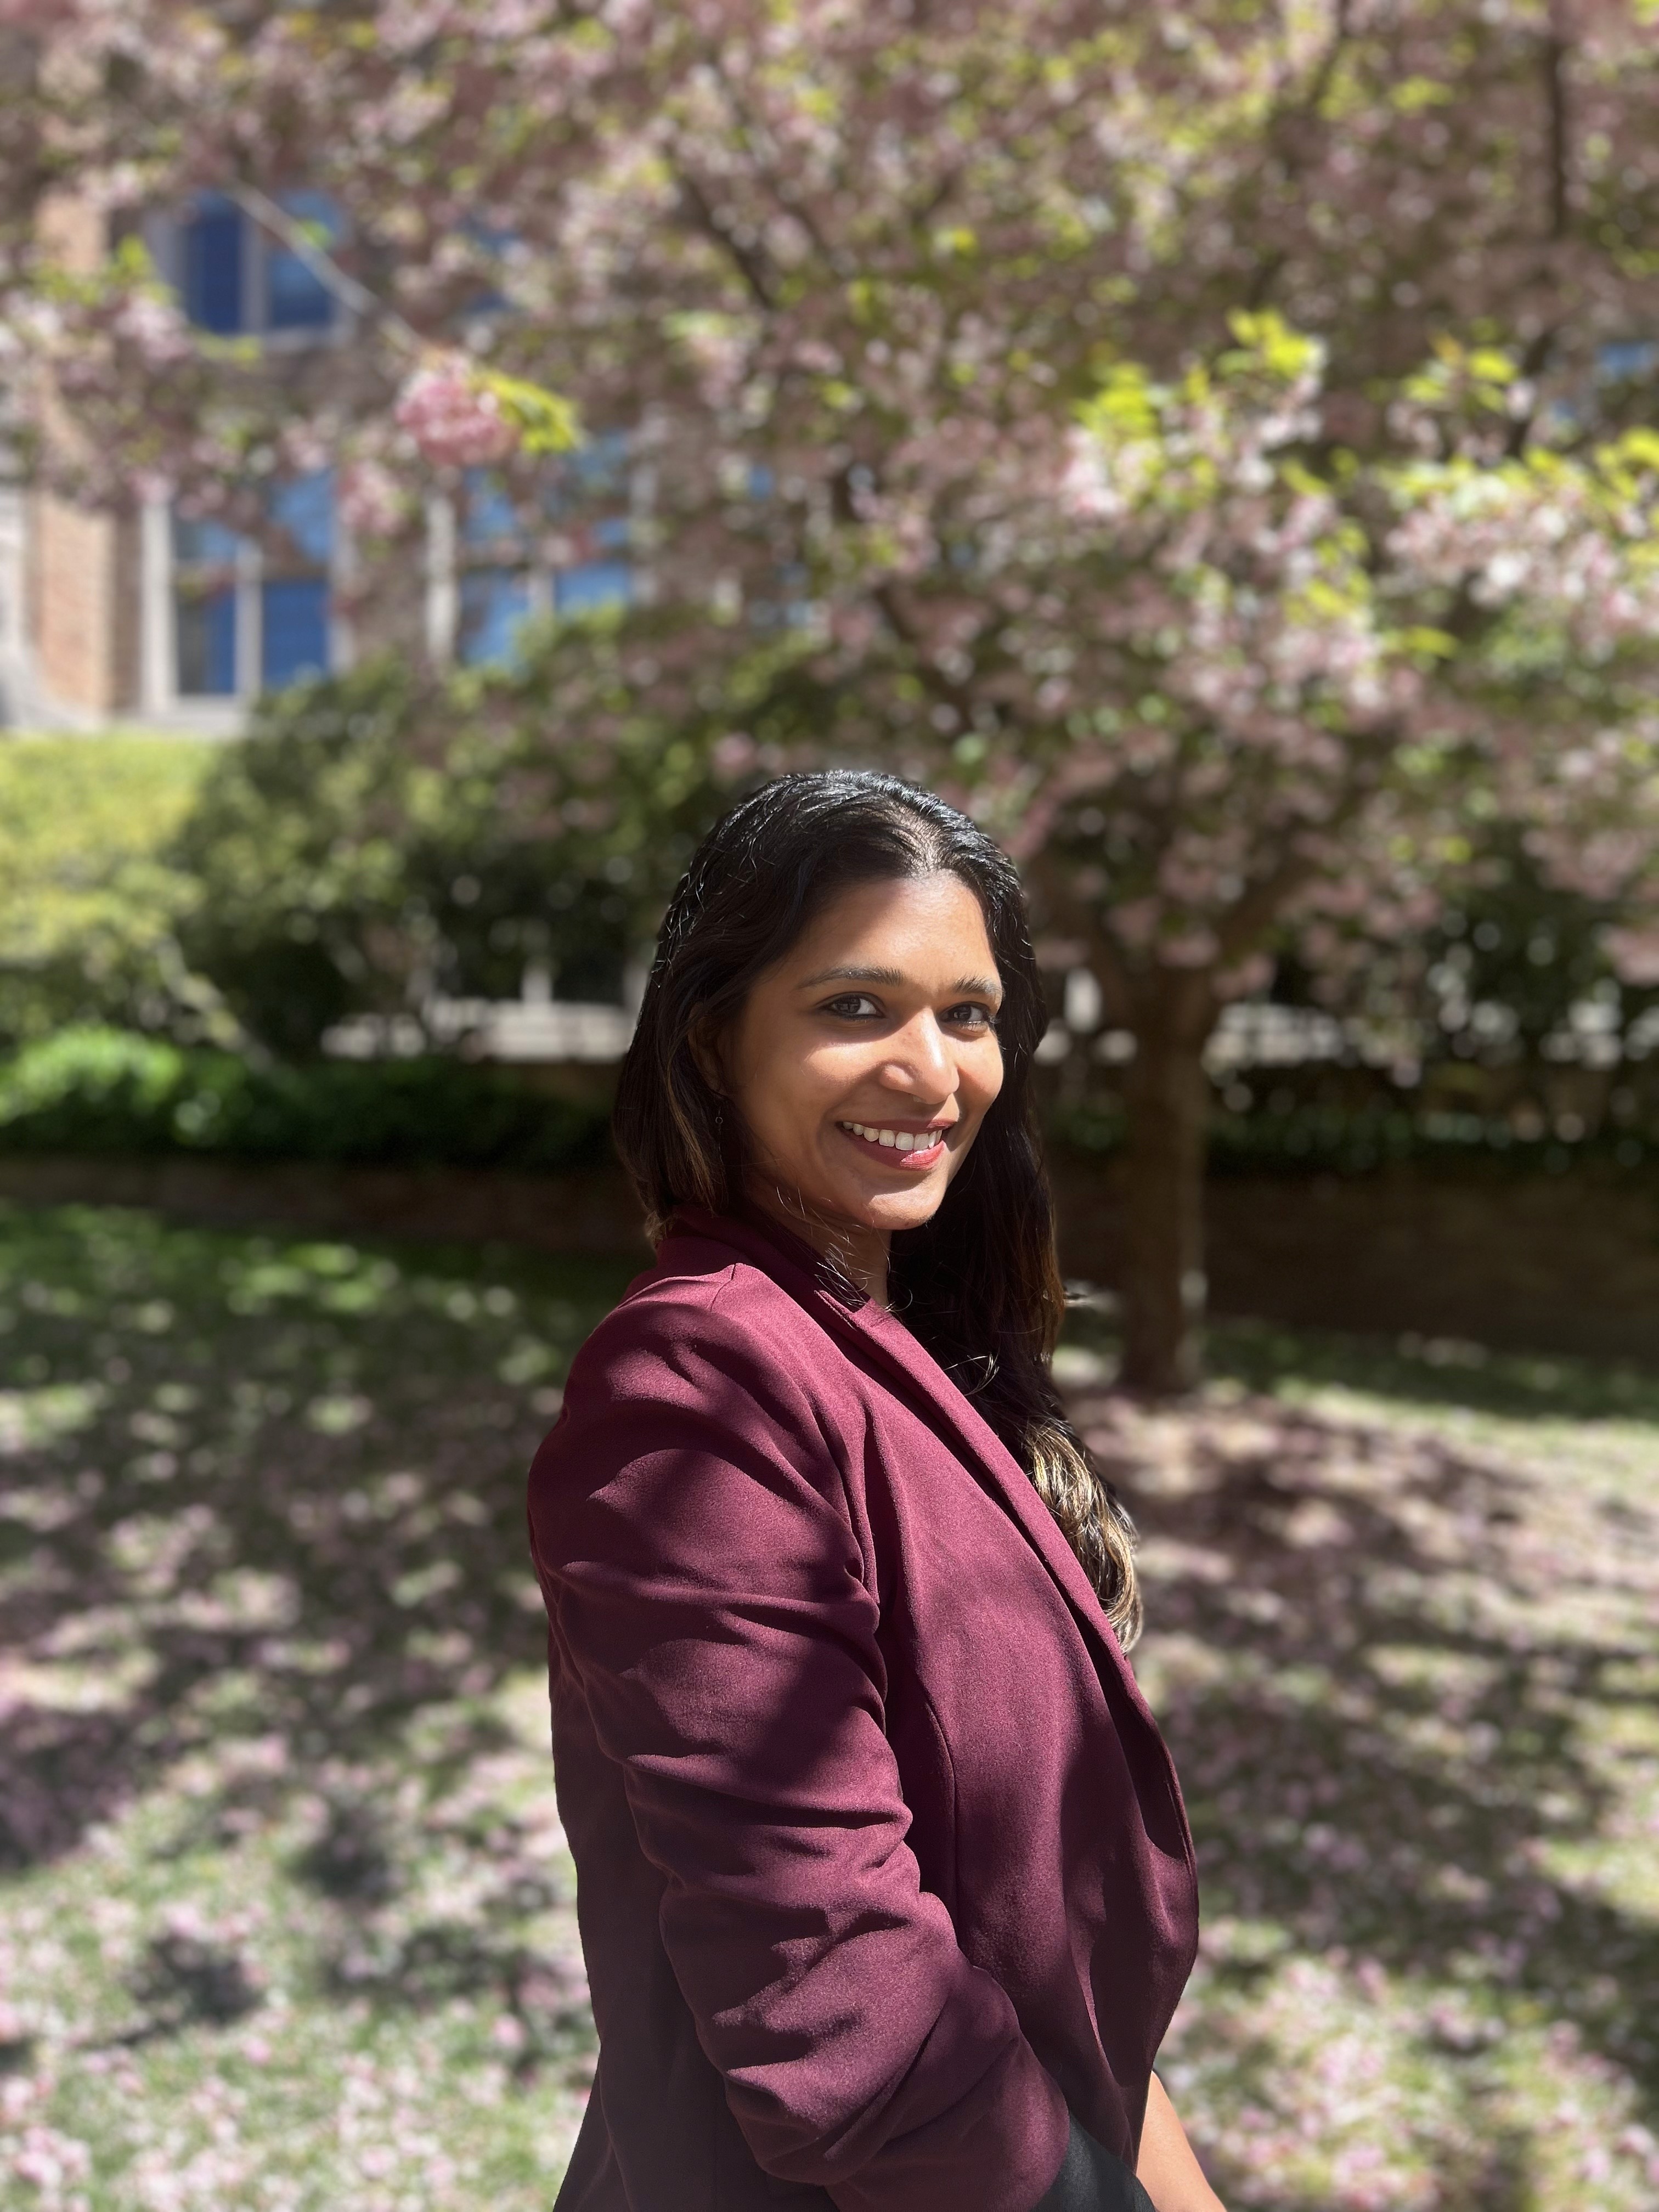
[1311,1139]
[386,835]
[91,900]
[107,1090]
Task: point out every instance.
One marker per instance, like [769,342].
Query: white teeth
[896,1140]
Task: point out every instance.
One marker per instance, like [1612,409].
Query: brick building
[150,617]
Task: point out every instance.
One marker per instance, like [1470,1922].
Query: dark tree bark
[1167,1099]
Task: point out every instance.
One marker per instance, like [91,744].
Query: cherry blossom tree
[1177,432]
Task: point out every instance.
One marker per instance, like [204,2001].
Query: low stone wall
[592,1212]
[1567,1265]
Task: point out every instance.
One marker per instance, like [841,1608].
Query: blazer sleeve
[708,1592]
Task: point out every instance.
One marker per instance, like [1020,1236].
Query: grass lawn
[285,1916]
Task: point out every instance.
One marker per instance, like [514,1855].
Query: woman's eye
[853,1005]
[968,1016]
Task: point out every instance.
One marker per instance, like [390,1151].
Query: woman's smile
[911,1149]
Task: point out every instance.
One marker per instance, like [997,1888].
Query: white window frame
[448,559]
[220,713]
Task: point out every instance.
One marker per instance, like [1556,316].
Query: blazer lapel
[874,1337]
[797,1269]
[984,1452]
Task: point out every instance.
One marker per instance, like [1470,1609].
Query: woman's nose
[922,1059]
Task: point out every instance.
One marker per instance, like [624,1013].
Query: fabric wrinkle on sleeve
[708,1591]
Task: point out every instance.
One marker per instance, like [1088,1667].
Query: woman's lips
[913,1163]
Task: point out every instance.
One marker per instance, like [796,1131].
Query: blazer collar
[790,1262]
[844,1309]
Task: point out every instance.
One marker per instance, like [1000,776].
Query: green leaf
[1267,339]
[1495,366]
[545,422]
[1413,94]
[1637,448]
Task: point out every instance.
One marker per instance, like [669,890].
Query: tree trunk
[1167,1098]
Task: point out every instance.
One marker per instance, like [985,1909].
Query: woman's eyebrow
[969,986]
[889,976]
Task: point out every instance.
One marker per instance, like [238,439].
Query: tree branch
[296,239]
[1261,904]
[1533,361]
[748,264]
[955,696]
[1560,149]
[832,261]
[1294,161]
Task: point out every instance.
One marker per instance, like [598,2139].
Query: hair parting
[978,1285]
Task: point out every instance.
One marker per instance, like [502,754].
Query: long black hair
[978,1285]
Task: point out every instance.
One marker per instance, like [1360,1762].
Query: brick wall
[84,593]
[1567,1264]
[85,607]
[1531,1264]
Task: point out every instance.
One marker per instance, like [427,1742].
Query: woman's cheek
[987,1077]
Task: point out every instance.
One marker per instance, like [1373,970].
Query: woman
[885,1887]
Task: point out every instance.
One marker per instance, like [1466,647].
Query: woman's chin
[851,1200]
[893,1210]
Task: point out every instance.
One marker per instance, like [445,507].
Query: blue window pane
[596,472]
[594,583]
[493,240]
[214,245]
[203,542]
[489,513]
[1627,357]
[295,299]
[205,634]
[494,603]
[601,465]
[294,630]
[304,507]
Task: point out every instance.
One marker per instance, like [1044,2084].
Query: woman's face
[864,1060]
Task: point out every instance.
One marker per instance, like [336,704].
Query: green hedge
[1323,1140]
[109,1091]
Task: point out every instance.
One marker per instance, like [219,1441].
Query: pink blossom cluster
[454,421]
[373,501]
[1550,540]
[51,2164]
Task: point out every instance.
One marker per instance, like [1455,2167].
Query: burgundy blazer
[882,1863]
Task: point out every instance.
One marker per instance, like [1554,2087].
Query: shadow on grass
[263,1569]
[277,1488]
[1409,1673]
[1435,1372]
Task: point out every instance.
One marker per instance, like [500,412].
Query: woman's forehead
[891,925]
